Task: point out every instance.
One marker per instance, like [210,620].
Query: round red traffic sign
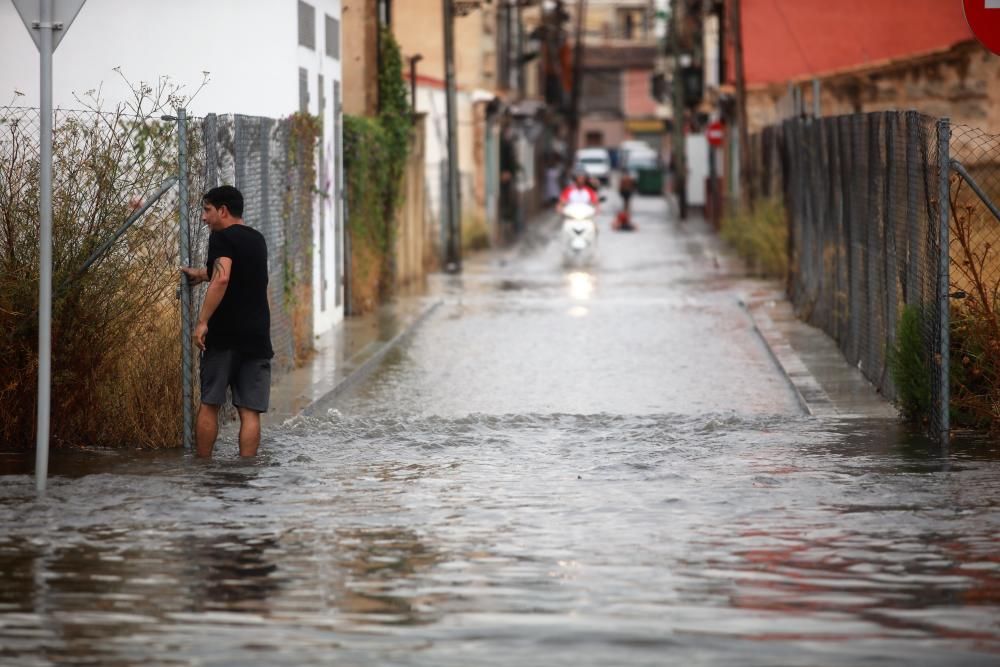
[715,133]
[984,19]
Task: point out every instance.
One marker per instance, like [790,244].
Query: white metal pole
[45,249]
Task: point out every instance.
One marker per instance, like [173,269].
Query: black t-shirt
[242,321]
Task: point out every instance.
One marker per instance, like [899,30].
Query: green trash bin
[649,181]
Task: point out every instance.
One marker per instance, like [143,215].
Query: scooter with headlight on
[579,234]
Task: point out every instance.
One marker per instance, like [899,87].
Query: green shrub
[375,154]
[761,237]
[909,365]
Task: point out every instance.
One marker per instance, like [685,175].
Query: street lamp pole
[677,101]
[746,183]
[453,245]
[574,138]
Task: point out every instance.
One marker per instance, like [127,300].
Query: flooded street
[590,467]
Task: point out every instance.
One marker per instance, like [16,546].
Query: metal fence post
[210,140]
[889,274]
[873,170]
[185,250]
[913,294]
[944,261]
[854,240]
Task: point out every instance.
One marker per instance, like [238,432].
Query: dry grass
[760,237]
[975,318]
[475,232]
[975,247]
[115,328]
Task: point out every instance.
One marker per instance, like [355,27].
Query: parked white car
[642,158]
[596,162]
[630,148]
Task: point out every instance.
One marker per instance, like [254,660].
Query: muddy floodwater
[598,466]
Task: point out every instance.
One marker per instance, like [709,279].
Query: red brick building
[617,102]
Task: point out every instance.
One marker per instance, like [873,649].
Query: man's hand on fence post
[195,276]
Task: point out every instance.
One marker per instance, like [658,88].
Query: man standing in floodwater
[234,326]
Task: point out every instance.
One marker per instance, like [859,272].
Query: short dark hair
[228,196]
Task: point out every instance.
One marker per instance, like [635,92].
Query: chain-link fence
[261,158]
[975,276]
[117,374]
[862,196]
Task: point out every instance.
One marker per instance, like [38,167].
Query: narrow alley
[561,467]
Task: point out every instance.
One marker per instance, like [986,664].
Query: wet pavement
[588,467]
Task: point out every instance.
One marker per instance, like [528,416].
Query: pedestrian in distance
[553,173]
[234,324]
[626,188]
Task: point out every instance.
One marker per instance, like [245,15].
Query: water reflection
[499,538]
[381,566]
[233,572]
[581,285]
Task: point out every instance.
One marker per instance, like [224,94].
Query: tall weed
[975,320]
[760,237]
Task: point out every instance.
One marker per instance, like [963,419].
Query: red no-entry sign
[984,19]
[715,133]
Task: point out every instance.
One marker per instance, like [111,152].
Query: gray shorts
[249,378]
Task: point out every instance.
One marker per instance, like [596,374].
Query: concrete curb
[811,396]
[369,365]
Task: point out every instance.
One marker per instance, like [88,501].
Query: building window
[333,38]
[385,13]
[303,90]
[307,25]
[632,24]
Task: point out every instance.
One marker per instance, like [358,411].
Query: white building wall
[431,100]
[250,50]
[328,223]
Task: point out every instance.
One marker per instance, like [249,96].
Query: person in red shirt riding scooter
[578,192]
